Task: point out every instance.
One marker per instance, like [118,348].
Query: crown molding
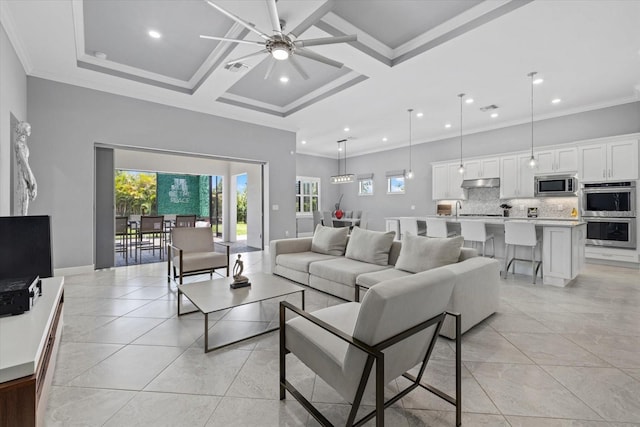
[7,21]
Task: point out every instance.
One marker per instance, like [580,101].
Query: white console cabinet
[563,252]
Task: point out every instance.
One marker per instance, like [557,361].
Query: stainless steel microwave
[556,186]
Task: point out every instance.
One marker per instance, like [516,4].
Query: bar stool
[437,227]
[408,225]
[520,233]
[476,231]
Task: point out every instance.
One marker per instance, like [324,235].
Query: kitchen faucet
[458,204]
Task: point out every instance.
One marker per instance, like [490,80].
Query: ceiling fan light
[280,53]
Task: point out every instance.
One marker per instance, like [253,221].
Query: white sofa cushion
[420,253]
[342,270]
[370,246]
[300,261]
[329,240]
[370,279]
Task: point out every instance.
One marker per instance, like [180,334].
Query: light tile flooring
[550,357]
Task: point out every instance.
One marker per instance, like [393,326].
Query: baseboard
[70,271]
[614,263]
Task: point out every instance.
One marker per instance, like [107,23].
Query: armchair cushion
[329,240]
[196,261]
[370,246]
[424,253]
[193,239]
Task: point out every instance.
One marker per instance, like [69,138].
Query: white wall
[68,121]
[13,101]
[618,120]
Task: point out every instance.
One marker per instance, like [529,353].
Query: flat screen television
[25,246]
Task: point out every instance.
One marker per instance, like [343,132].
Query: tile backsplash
[487,201]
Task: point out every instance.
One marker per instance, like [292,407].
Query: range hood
[481,183]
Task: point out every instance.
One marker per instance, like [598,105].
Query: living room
[72,109]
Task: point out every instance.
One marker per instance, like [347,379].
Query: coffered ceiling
[409,54]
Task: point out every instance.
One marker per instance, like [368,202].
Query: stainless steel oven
[611,232]
[609,199]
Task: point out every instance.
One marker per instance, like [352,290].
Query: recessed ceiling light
[284,79]
[556,101]
[469,101]
[303,142]
[494,115]
[419,114]
[154,34]
[538,81]
[385,139]
[447,125]
[346,129]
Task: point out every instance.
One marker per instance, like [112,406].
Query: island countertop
[498,220]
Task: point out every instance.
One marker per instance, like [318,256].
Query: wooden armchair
[192,251]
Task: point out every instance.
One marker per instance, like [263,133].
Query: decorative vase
[339,214]
[505,212]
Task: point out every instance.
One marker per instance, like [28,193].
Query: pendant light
[409,173]
[461,168]
[344,178]
[532,161]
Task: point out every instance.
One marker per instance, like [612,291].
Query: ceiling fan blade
[298,67]
[272,65]
[325,40]
[319,58]
[273,15]
[232,40]
[240,21]
[247,57]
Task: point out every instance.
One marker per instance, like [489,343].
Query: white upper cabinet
[611,161]
[561,160]
[482,168]
[516,177]
[446,182]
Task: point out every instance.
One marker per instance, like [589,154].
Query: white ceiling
[587,51]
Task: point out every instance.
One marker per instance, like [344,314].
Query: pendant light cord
[410,110]
[532,75]
[461,97]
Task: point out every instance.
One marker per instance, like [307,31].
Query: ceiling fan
[281,46]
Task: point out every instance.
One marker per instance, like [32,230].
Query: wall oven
[611,199]
[609,209]
[611,232]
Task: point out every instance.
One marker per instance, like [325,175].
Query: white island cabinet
[563,253]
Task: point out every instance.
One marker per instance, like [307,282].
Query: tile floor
[550,357]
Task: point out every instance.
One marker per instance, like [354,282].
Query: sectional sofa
[336,263]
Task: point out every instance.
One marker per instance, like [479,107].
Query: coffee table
[215,295]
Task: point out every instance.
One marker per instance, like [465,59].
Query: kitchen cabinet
[446,182]
[563,253]
[516,177]
[561,160]
[482,168]
[611,161]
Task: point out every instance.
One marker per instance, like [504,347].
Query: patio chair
[151,227]
[122,237]
[192,251]
[395,327]
[185,220]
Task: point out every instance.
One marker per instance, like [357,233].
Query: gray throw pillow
[329,240]
[424,253]
[370,246]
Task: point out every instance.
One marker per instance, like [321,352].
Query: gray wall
[13,101]
[68,121]
[618,120]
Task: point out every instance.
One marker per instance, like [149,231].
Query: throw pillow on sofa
[329,240]
[370,246]
[420,253]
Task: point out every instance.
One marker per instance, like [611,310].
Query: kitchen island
[563,243]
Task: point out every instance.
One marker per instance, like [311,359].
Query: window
[395,185]
[307,195]
[365,185]
[395,181]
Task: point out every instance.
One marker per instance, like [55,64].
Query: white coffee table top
[215,295]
